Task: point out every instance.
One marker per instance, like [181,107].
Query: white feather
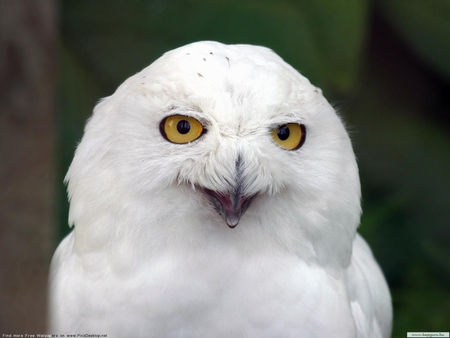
[150,257]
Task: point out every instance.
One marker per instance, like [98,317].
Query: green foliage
[392,102]
[323,39]
[426,26]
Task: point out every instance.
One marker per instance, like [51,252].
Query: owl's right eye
[181,129]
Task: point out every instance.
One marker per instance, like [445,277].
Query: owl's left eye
[181,129]
[289,136]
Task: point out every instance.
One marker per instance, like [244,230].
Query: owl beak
[230,206]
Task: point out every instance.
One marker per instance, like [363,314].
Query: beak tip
[232,222]
[229,206]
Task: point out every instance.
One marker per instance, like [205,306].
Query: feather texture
[151,254]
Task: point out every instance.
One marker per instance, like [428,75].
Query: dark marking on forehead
[229,88]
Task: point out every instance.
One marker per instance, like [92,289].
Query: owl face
[234,200]
[226,129]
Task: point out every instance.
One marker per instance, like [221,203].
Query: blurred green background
[385,65]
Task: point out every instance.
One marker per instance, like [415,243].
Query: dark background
[384,65]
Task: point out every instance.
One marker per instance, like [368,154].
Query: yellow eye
[290,136]
[181,129]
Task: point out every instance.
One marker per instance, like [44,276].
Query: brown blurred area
[27,80]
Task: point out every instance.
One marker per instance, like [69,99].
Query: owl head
[217,141]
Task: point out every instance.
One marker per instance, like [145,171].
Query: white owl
[216,194]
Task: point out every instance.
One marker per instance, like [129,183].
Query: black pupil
[283,133]
[183,127]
